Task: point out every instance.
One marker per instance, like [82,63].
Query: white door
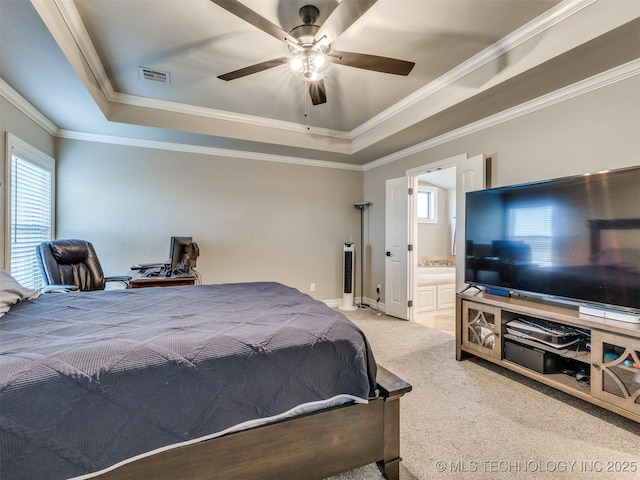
[397,253]
[470,176]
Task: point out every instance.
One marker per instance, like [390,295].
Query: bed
[252,380]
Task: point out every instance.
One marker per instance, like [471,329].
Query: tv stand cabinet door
[481,329]
[615,372]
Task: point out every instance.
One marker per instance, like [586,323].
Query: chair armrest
[59,288]
[122,279]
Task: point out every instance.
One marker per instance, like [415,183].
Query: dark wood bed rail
[311,446]
[391,389]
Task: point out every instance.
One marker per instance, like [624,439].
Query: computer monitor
[177,254]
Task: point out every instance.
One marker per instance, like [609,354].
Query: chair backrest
[70,262]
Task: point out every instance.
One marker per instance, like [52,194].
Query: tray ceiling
[89,54]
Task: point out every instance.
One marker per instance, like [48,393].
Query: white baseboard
[335,303]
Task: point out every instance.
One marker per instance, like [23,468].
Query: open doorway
[401,263]
[434,223]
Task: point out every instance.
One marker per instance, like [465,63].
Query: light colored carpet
[475,420]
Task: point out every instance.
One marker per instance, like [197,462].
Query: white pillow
[11,292]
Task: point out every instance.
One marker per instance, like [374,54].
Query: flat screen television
[574,239]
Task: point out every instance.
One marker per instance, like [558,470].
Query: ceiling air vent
[154,75]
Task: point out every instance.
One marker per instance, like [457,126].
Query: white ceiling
[77,62]
[444,178]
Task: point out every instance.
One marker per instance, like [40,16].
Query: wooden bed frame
[311,446]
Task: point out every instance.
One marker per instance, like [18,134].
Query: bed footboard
[391,388]
[312,446]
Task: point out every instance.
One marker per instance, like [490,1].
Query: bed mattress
[89,380]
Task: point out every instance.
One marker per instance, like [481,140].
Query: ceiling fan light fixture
[312,65]
[310,44]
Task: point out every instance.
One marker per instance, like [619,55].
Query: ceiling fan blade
[258,21]
[344,15]
[258,67]
[372,62]
[318,92]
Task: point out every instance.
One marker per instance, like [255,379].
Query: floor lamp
[362,206]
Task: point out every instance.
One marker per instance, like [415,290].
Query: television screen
[575,238]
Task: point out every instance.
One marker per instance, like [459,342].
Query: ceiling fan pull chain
[306,104]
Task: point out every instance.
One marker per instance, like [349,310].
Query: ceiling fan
[309,45]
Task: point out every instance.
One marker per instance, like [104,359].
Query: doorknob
[388,254]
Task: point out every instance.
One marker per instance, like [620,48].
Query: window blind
[30,216]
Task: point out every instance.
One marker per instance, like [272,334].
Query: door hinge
[410,191]
[410,248]
[410,304]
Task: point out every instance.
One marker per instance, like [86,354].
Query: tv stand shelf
[607,374]
[577,355]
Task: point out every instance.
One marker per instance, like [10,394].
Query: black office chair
[73,262]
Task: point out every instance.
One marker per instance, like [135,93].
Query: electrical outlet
[312,287]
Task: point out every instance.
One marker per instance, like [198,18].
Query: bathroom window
[426,204]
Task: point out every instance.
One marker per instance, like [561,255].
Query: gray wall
[260,220]
[253,220]
[594,131]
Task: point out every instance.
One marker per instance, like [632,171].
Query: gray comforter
[90,379]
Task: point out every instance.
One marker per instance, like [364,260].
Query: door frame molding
[413,174]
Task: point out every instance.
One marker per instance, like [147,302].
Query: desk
[139,281]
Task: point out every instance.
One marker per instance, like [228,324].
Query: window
[426,204]
[30,207]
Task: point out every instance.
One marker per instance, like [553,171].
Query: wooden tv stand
[606,379]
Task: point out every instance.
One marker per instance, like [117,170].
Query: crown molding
[528,31]
[390,117]
[75,25]
[604,79]
[585,86]
[203,150]
[206,112]
[22,104]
